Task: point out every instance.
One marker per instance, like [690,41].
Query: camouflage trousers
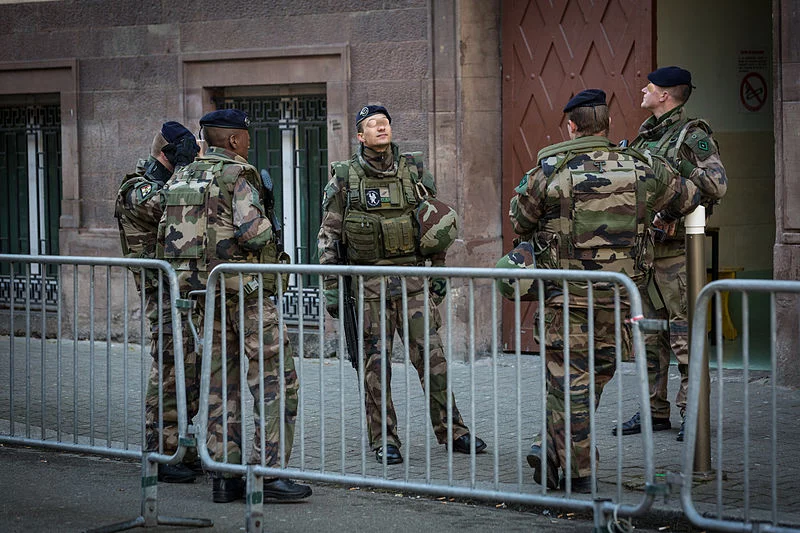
[225,425]
[395,320]
[579,379]
[163,430]
[668,303]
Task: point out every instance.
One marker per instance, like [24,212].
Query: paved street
[328,439]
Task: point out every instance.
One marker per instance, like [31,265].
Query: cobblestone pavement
[499,399]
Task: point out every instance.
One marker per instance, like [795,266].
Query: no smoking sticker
[753,91]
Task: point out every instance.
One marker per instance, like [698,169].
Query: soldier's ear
[572,128]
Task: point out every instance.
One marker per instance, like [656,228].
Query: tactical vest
[189,237]
[668,147]
[601,207]
[379,225]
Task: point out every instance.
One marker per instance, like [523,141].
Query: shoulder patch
[145,190]
[701,144]
[523,184]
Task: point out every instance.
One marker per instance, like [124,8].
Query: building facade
[476,85]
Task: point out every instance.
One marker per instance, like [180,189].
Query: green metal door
[289,138]
[30,191]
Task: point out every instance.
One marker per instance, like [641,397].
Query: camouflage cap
[438,226]
[522,256]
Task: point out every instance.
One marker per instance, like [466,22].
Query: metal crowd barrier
[87,393]
[501,397]
[749,438]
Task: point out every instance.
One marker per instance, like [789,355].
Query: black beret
[587,98]
[670,77]
[174,131]
[369,110]
[226,118]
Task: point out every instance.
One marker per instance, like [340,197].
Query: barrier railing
[332,443]
[90,393]
[749,438]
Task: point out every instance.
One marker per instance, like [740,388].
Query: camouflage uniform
[214,214]
[697,159]
[138,210]
[344,209]
[587,207]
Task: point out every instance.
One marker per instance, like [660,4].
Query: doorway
[289,140]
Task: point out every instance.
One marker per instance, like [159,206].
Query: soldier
[687,144]
[215,214]
[138,209]
[383,187]
[587,206]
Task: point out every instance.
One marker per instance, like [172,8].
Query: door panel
[553,49]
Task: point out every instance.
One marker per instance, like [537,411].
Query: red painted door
[553,49]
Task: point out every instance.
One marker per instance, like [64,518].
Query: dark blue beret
[587,98]
[174,131]
[369,110]
[226,118]
[670,77]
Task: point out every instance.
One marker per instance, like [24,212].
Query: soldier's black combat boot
[179,473]
[535,461]
[227,489]
[285,490]
[393,456]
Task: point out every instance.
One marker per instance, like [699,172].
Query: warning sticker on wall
[752,72]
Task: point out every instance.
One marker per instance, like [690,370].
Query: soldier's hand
[664,229]
[332,302]
[438,287]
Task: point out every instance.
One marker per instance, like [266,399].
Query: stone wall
[786,17]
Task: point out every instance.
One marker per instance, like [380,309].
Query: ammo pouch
[270,255]
[371,237]
[398,236]
[362,232]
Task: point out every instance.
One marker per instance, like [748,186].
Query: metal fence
[751,484]
[76,382]
[497,395]
[78,394]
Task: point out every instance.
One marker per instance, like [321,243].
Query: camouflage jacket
[588,205]
[340,198]
[138,209]
[697,159]
[214,214]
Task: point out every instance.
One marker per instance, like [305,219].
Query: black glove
[182,152]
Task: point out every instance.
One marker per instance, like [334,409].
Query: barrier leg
[149,516]
[254,512]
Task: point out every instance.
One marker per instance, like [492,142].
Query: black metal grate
[30,142]
[307,115]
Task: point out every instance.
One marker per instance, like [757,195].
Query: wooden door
[553,49]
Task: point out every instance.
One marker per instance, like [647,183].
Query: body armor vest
[379,225]
[601,208]
[190,234]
